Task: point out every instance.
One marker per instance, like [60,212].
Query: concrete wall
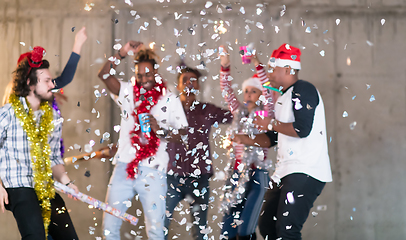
[363,56]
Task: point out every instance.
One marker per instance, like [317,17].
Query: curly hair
[24,72]
[146,55]
[186,69]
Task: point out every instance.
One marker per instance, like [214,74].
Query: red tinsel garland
[151,97]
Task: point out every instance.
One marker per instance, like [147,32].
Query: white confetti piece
[128,2]
[88,187]
[88,148]
[345,114]
[242,10]
[208,4]
[259,25]
[338,21]
[97,132]
[382,21]
[106,136]
[322,53]
[372,98]
[177,16]
[277,29]
[259,11]
[370,43]
[352,125]
[308,30]
[117,46]
[133,12]
[117,128]
[290,197]
[183,221]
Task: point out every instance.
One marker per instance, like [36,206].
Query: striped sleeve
[226,90]
[269,101]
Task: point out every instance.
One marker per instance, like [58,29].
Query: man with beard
[141,159]
[30,133]
[190,165]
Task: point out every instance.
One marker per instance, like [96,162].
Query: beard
[44,96]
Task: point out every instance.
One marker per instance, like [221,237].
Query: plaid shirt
[15,160]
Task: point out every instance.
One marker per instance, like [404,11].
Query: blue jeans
[151,186]
[249,209]
[178,190]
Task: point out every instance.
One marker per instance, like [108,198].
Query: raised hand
[131,46]
[80,39]
[253,58]
[224,56]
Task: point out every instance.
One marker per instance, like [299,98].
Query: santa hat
[285,55]
[252,82]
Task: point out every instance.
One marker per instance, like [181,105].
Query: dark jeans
[290,215]
[249,209]
[178,188]
[24,205]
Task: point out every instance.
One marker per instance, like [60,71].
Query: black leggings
[287,206]
[24,205]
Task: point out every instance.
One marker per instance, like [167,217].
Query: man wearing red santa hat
[299,131]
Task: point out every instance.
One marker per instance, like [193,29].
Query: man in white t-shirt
[141,159]
[299,130]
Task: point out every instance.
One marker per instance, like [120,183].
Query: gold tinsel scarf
[40,151]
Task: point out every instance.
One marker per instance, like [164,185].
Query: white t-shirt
[308,154]
[168,112]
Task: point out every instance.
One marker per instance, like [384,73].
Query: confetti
[345,114]
[308,30]
[372,98]
[290,197]
[338,21]
[208,4]
[88,7]
[259,25]
[352,125]
[322,53]
[382,21]
[259,11]
[242,10]
[370,43]
[117,46]
[128,2]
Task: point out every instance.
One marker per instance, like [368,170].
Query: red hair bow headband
[34,57]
